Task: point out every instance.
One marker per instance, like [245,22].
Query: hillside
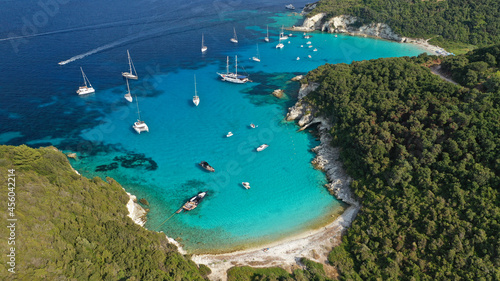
[424,154]
[454,24]
[73,228]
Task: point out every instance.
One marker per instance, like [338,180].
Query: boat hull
[140,127]
[129,75]
[128,97]
[196,101]
[85,91]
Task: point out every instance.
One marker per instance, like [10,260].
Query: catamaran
[280,45]
[233,77]
[282,34]
[234,39]
[128,96]
[87,89]
[196,98]
[139,126]
[267,36]
[130,74]
[257,58]
[203,47]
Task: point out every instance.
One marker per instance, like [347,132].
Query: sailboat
[233,77]
[282,34]
[130,74]
[87,89]
[128,96]
[257,58]
[196,98]
[267,36]
[139,126]
[234,39]
[280,45]
[203,47]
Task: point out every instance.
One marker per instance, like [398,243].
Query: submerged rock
[278,93]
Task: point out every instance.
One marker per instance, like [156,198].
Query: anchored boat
[207,166]
[193,202]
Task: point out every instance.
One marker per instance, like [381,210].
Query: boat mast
[202,40]
[128,88]
[195,93]
[235,34]
[83,75]
[138,112]
[227,65]
[236,65]
[129,63]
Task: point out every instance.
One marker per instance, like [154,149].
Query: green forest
[74,228]
[451,23]
[425,158]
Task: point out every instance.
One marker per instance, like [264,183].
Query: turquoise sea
[286,196]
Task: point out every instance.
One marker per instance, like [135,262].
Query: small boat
[193,202]
[282,34]
[206,166]
[203,47]
[307,36]
[262,147]
[280,45]
[139,126]
[309,56]
[128,96]
[298,58]
[87,89]
[335,35]
[253,126]
[310,46]
[308,43]
[267,36]
[196,98]
[246,185]
[257,58]
[290,7]
[229,135]
[233,77]
[315,50]
[302,46]
[130,74]
[234,39]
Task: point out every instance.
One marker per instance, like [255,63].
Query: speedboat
[290,7]
[229,134]
[193,202]
[262,147]
[206,166]
[246,185]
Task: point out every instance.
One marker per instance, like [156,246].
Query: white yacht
[196,98]
[229,134]
[128,96]
[262,147]
[280,45]
[139,126]
[267,36]
[246,185]
[257,58]
[203,47]
[87,89]
[130,74]
[234,39]
[233,77]
[282,34]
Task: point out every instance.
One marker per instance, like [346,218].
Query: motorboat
[230,134]
[308,42]
[315,50]
[298,58]
[262,147]
[206,166]
[246,185]
[290,7]
[193,202]
[253,126]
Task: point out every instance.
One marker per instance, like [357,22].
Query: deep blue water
[40,107]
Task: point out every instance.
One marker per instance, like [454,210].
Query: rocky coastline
[135,211]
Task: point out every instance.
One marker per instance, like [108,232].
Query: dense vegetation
[425,158]
[73,228]
[475,22]
[478,69]
[312,271]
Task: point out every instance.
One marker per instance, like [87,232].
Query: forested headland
[425,157]
[453,24]
[73,228]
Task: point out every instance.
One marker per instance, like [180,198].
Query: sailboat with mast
[257,58]
[128,96]
[282,34]
[235,38]
[196,98]
[203,47]
[280,45]
[139,126]
[87,89]
[267,36]
[130,74]
[233,77]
